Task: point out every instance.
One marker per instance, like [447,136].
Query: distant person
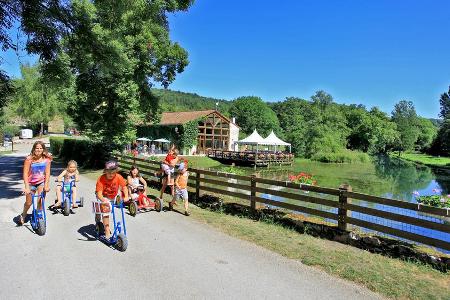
[152,148]
[36,176]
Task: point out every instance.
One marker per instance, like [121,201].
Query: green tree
[384,135]
[36,101]
[441,145]
[427,133]
[253,113]
[117,52]
[445,105]
[404,115]
[292,115]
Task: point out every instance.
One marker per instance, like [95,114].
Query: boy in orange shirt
[107,188]
[181,191]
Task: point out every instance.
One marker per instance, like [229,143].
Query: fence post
[253,193]
[197,185]
[342,211]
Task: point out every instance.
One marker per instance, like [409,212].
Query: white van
[26,134]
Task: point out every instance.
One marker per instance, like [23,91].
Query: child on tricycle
[36,175]
[107,188]
[68,178]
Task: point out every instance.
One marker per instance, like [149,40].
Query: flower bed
[437,200]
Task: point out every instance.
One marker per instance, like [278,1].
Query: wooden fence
[337,206]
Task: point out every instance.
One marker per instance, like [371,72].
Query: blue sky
[374,52]
[370,52]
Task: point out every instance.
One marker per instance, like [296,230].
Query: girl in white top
[134,180]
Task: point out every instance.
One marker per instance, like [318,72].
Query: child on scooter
[134,181]
[181,191]
[70,174]
[36,176]
[107,188]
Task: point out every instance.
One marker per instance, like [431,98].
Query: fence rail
[329,203]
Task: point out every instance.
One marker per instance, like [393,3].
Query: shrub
[86,152]
[342,156]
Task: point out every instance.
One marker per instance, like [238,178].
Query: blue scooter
[66,197]
[118,239]
[38,217]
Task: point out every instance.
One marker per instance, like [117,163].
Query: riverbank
[425,159]
[392,278]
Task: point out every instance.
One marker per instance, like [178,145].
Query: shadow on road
[88,232]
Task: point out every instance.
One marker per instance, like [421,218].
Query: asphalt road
[169,256]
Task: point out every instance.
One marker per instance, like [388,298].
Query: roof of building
[182,117]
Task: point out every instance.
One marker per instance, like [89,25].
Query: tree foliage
[117,51]
[253,113]
[404,115]
[37,101]
[444,101]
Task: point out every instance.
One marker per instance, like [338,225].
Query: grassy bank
[425,159]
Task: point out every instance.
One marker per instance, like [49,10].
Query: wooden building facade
[215,131]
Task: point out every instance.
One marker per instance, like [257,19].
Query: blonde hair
[72,162]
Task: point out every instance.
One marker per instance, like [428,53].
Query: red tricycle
[141,202]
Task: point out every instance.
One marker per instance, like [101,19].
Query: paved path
[169,257]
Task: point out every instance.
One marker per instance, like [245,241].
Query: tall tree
[404,115]
[445,105]
[253,113]
[427,133]
[117,52]
[34,101]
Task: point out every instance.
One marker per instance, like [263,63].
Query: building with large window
[215,131]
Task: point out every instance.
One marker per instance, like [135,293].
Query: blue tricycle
[118,238]
[66,197]
[38,217]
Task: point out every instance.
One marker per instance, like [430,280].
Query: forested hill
[181,101]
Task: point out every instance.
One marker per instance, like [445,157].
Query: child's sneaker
[187,213]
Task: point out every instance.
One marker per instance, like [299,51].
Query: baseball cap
[111,165]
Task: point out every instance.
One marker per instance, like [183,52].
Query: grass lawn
[437,161]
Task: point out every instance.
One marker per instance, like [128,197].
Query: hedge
[85,152]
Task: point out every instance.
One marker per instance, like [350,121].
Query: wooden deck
[260,159]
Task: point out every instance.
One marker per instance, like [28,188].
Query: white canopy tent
[273,140]
[143,139]
[252,139]
[161,141]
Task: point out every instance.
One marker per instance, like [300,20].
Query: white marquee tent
[273,140]
[252,139]
[270,140]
